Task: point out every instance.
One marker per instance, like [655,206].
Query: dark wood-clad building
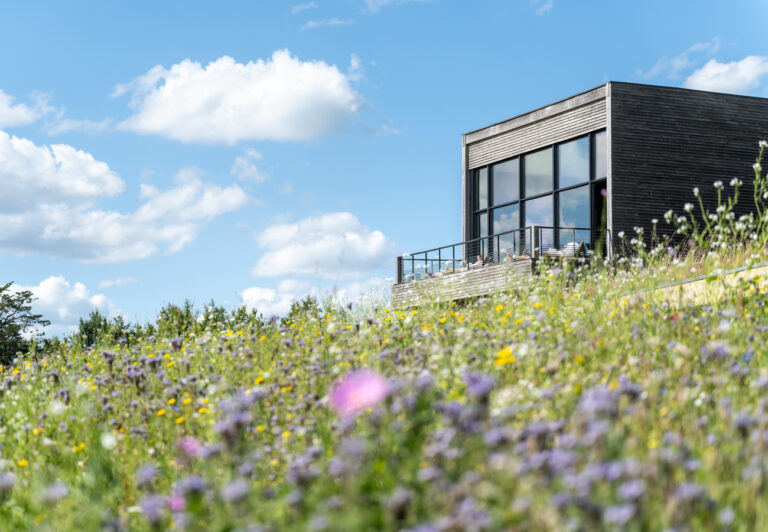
[575,174]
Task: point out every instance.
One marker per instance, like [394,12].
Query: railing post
[399,270]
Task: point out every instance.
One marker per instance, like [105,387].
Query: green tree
[91,329]
[16,320]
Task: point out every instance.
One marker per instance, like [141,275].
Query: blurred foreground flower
[358,390]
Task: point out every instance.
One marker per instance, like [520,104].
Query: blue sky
[254,152]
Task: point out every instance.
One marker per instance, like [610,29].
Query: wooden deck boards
[489,279]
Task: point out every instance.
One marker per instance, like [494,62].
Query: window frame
[522,196]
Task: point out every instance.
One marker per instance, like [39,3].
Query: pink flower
[190,446]
[357,391]
[177,503]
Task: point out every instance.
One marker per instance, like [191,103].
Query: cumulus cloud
[21,114]
[738,77]
[32,175]
[327,22]
[50,206]
[331,246]
[64,303]
[268,301]
[277,301]
[245,167]
[674,66]
[282,98]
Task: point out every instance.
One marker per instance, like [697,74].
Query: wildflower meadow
[582,398]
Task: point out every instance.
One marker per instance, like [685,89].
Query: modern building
[570,177]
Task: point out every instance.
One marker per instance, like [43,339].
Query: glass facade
[573,162]
[506,182]
[549,187]
[538,172]
[601,155]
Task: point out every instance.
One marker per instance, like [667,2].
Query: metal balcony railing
[524,243]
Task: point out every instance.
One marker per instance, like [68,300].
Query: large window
[573,162]
[548,187]
[538,172]
[506,181]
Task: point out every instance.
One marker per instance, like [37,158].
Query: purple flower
[145,475]
[7,482]
[357,391]
[56,491]
[192,485]
[479,385]
[235,491]
[619,515]
[152,507]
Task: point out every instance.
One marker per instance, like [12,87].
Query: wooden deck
[461,285]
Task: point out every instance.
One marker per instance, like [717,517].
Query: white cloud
[375,5]
[303,7]
[266,301]
[326,22]
[542,6]
[50,202]
[22,114]
[67,124]
[32,175]
[736,77]
[118,281]
[282,98]
[673,67]
[277,302]
[64,303]
[245,168]
[331,246]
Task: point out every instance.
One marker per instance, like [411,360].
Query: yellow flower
[186,401]
[499,308]
[23,463]
[504,357]
[202,410]
[286,434]
[78,448]
[171,401]
[161,412]
[179,420]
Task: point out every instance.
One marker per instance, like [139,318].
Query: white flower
[763,144]
[718,185]
[621,234]
[696,191]
[654,221]
[688,207]
[108,440]
[756,167]
[736,182]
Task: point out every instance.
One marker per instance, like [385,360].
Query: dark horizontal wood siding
[666,141]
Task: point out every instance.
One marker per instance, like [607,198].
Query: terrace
[488,264]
